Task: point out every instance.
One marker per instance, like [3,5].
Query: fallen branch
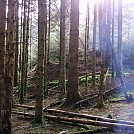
[25,106]
[55,103]
[108,92]
[117,101]
[16,92]
[24,114]
[30,116]
[87,116]
[81,121]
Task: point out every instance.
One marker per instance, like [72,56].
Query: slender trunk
[119,53]
[2,63]
[108,33]
[26,50]
[9,70]
[101,36]
[23,57]
[16,47]
[62,49]
[38,118]
[87,47]
[49,25]
[94,48]
[30,44]
[113,38]
[45,52]
[20,47]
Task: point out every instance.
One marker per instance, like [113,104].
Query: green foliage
[82,79]
[54,83]
[128,54]
[114,96]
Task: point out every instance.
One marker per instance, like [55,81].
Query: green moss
[114,96]
[54,83]
[82,79]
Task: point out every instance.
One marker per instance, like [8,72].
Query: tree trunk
[113,37]
[2,62]
[94,48]
[86,46]
[16,46]
[62,49]
[45,52]
[20,48]
[30,43]
[119,53]
[26,48]
[9,70]
[38,118]
[23,73]
[101,34]
[108,33]
[72,86]
[49,27]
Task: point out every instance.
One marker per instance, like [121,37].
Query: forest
[66,67]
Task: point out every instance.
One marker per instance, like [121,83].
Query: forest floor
[120,110]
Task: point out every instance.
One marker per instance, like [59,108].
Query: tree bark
[38,118]
[2,62]
[26,48]
[94,48]
[119,53]
[101,34]
[49,27]
[9,70]
[23,73]
[113,37]
[62,49]
[72,86]
[16,45]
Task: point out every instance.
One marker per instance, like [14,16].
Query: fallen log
[81,121]
[54,104]
[33,107]
[30,116]
[63,132]
[117,101]
[24,106]
[87,116]
[108,92]
[23,113]
[16,92]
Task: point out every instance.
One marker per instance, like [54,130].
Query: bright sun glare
[92,2]
[83,4]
